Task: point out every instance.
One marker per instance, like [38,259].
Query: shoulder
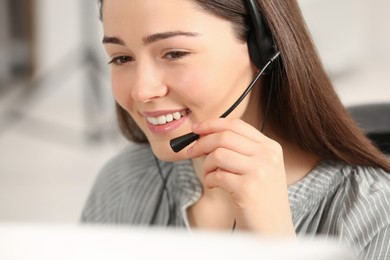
[127,167]
[367,186]
[366,204]
[131,167]
[132,160]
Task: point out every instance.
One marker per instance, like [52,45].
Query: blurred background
[57,125]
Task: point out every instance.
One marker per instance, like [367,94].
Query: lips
[164,122]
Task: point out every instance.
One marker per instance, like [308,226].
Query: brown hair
[304,106]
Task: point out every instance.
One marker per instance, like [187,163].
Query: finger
[228,182]
[228,140]
[227,160]
[224,124]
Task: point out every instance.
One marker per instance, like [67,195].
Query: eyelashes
[176,55]
[171,56]
[120,60]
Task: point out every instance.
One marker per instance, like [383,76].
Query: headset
[262,51]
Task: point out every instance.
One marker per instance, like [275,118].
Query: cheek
[202,89]
[121,90]
[193,86]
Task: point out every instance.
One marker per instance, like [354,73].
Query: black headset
[260,43]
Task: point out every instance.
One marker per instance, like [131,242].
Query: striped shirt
[349,203]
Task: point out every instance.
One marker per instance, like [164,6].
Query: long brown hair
[304,106]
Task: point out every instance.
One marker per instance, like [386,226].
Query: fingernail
[189,150]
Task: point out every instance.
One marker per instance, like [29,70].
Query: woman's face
[173,65]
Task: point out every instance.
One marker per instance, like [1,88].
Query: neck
[297,162]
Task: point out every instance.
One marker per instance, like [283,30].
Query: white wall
[60,32]
[353,39]
[337,27]
[378,28]
[349,32]
[57,28]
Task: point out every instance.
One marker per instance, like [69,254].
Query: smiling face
[173,65]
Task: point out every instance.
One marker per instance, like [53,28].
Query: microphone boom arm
[179,143]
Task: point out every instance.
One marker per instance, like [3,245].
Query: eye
[120,60]
[175,55]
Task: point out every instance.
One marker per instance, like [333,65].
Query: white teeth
[176,115]
[161,120]
[153,120]
[169,118]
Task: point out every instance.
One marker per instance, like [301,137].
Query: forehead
[148,11]
[150,16]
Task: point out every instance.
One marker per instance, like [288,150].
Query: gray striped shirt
[349,203]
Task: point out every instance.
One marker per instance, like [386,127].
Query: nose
[147,84]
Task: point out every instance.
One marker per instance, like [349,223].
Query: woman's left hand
[249,166]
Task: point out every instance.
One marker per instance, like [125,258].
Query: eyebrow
[150,38]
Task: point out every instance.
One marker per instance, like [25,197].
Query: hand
[249,166]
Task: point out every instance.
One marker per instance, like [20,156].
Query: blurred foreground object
[70,242]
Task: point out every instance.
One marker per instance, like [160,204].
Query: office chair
[374,120]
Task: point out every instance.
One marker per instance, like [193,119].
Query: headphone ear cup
[260,43]
[254,52]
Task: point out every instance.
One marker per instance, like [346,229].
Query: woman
[288,160]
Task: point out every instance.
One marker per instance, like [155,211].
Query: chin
[165,153]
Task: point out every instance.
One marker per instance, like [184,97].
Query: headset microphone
[262,52]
